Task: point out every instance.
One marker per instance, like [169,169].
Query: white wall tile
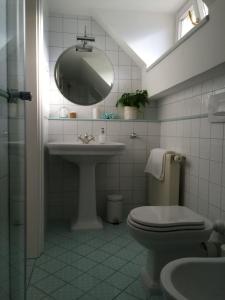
[216,150]
[204,168]
[223,175]
[124,59]
[194,184]
[217,131]
[204,128]
[204,149]
[55,127]
[69,40]
[223,199]
[195,147]
[69,127]
[55,39]
[215,172]
[96,29]
[195,128]
[55,24]
[111,45]
[113,128]
[214,194]
[100,42]
[202,143]
[84,127]
[203,189]
[82,22]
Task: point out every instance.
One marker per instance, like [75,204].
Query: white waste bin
[114,213]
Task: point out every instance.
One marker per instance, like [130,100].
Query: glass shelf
[97,120]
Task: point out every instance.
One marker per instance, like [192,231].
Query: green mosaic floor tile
[136,247]
[111,248]
[84,250]
[96,243]
[98,255]
[68,244]
[34,294]
[69,257]
[101,272]
[140,259]
[108,236]
[38,274]
[52,266]
[67,292]
[119,280]
[125,296]
[42,259]
[156,297]
[55,251]
[84,264]
[131,270]
[121,242]
[85,282]
[136,289]
[89,265]
[104,291]
[88,297]
[127,253]
[68,273]
[48,245]
[114,262]
[49,284]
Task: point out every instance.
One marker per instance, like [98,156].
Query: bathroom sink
[194,279]
[74,151]
[86,156]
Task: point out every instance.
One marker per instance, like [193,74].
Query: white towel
[156,163]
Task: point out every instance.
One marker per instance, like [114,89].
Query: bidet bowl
[194,279]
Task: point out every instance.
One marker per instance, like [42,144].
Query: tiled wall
[202,143]
[62,34]
[184,128]
[120,174]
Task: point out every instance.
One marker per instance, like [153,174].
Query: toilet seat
[165,218]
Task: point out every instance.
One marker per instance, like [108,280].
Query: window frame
[198,7]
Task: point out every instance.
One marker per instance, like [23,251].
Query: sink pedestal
[87,213]
[86,156]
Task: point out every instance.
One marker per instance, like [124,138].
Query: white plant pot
[130,113]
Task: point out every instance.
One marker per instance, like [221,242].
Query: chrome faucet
[86,139]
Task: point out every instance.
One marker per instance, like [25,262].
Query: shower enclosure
[12,151]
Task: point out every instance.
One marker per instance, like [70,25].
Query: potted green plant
[132,103]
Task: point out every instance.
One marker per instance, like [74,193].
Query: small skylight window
[190,16]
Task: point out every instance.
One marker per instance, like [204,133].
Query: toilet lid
[166,216]
[164,229]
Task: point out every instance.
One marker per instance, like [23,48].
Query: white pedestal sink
[86,156]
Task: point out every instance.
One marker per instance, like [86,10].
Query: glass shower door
[12,151]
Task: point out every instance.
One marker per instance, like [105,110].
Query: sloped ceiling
[144,29]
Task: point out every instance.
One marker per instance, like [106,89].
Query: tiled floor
[88,265]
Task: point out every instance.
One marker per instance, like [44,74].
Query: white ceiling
[87,7]
[138,26]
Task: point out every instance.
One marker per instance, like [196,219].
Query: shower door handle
[22,95]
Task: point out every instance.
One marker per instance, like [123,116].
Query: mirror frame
[94,48]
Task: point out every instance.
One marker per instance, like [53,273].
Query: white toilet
[168,232]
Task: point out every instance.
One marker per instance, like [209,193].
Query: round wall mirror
[83,77]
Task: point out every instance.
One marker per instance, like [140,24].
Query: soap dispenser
[102,137]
